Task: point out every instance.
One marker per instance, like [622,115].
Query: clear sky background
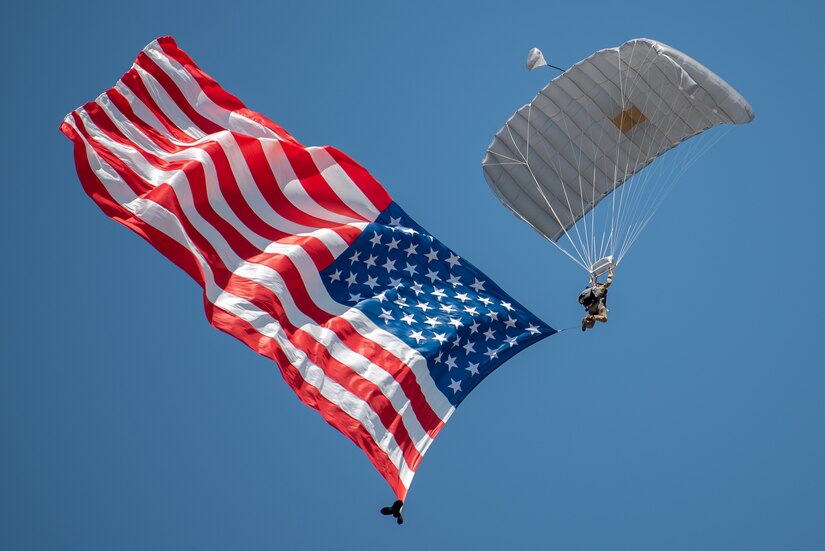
[693,420]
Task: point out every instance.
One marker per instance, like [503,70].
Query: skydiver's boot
[394,510]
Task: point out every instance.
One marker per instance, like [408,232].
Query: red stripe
[308,394]
[135,183]
[368,185]
[131,79]
[174,251]
[125,107]
[315,185]
[258,163]
[363,389]
[174,93]
[213,90]
[401,372]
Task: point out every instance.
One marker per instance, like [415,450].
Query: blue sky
[693,420]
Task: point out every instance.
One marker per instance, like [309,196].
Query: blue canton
[410,284]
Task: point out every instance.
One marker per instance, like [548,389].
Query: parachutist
[594,299]
[394,510]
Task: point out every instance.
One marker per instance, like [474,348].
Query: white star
[354,258]
[376,239]
[533,330]
[472,368]
[417,336]
[454,280]
[393,244]
[469,347]
[510,322]
[440,337]
[449,308]
[432,275]
[411,249]
[471,310]
[493,315]
[396,283]
[395,221]
[432,255]
[372,282]
[381,297]
[335,276]
[402,302]
[389,265]
[492,353]
[370,262]
[478,285]
[424,306]
[512,341]
[408,319]
[506,305]
[386,315]
[463,297]
[455,385]
[417,288]
[355,298]
[456,342]
[486,301]
[450,363]
[438,293]
[453,260]
[474,327]
[351,280]
[410,268]
[489,334]
[455,322]
[431,321]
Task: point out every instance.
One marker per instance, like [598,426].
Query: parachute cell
[594,127]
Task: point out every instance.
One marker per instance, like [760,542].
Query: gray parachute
[587,135]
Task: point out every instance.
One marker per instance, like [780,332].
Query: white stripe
[315,376]
[168,105]
[141,110]
[342,184]
[167,223]
[294,189]
[193,92]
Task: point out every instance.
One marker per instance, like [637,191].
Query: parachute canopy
[594,127]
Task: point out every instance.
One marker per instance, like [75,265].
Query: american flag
[301,254]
